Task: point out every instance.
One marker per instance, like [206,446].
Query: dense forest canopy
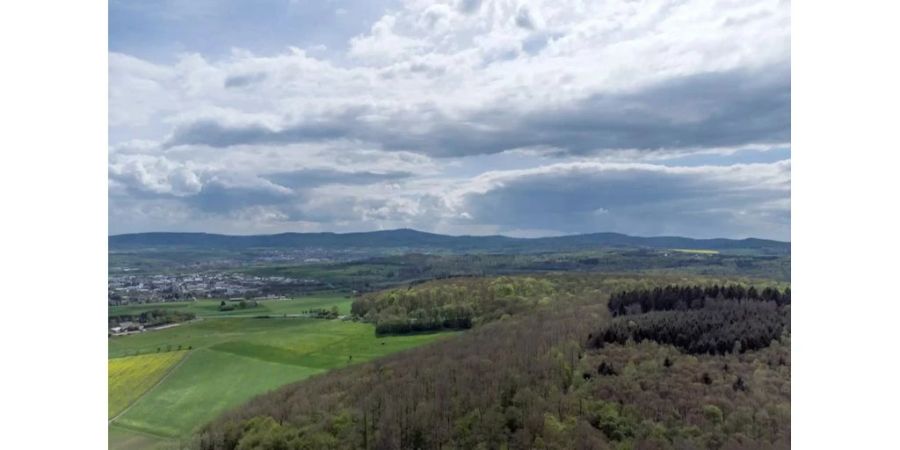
[699,319]
[674,297]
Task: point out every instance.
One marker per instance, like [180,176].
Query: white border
[53,108]
[845,226]
[53,88]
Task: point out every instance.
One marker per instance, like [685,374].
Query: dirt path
[158,382]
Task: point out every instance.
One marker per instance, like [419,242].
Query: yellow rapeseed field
[131,376]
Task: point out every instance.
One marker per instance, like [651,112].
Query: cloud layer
[540,117]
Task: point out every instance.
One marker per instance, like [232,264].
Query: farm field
[131,376]
[210,308]
[230,360]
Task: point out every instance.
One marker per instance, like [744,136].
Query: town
[154,288]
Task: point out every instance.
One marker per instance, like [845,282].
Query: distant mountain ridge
[408,238]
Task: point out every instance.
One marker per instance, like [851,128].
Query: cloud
[737,201]
[236,81]
[468,6]
[704,110]
[430,79]
[153,175]
[281,185]
[139,93]
[227,196]
[318,177]
[524,18]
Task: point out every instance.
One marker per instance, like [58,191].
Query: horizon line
[446,235]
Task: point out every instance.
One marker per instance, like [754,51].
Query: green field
[232,359]
[210,308]
[122,439]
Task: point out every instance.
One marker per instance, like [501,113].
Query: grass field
[210,308]
[130,377]
[121,439]
[233,359]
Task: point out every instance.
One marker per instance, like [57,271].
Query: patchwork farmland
[165,384]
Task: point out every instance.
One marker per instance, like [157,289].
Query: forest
[457,303]
[373,274]
[698,319]
[674,297]
[720,326]
[537,380]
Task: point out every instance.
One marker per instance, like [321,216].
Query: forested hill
[406,238]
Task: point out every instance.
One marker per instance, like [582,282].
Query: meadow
[229,360]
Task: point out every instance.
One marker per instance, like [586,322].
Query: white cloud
[154,175]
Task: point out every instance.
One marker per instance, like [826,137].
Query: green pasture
[119,438]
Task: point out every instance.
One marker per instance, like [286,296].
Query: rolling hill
[413,239]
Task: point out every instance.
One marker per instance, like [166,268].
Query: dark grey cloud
[716,109]
[736,201]
[536,42]
[236,81]
[468,6]
[524,19]
[222,198]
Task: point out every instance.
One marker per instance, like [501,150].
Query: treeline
[677,297]
[527,383]
[152,318]
[448,317]
[233,305]
[322,313]
[464,302]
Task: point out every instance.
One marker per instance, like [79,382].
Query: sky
[522,118]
